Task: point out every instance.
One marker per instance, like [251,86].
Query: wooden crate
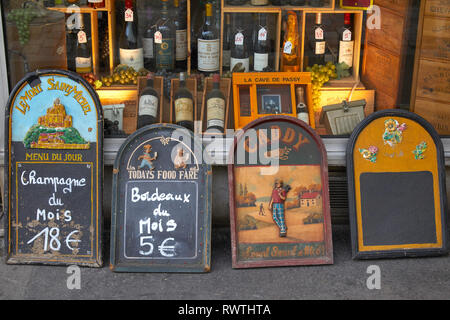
[385,55]
[109,9]
[225,87]
[191,85]
[430,93]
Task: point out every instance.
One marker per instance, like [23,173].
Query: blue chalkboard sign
[161,209]
[53,195]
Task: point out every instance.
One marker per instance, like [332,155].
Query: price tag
[129,15]
[158,37]
[82,37]
[318,33]
[347,35]
[262,34]
[239,39]
[287,47]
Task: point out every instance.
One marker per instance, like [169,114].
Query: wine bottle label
[81,37]
[320,47]
[239,39]
[287,47]
[184,109]
[165,54]
[95,1]
[158,37]
[132,57]
[147,43]
[346,52]
[261,61]
[129,15]
[83,65]
[259,2]
[240,65]
[208,55]
[148,105]
[226,56]
[262,34]
[181,50]
[347,35]
[318,34]
[215,111]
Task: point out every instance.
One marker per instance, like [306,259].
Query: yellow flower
[390,125]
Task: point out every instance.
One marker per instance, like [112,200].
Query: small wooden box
[342,118]
[225,87]
[191,85]
[158,85]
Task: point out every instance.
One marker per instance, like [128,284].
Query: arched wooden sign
[54,135]
[279,200]
[161,206]
[396,179]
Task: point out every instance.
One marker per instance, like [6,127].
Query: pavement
[407,278]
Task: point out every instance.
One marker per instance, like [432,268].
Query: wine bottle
[236,2]
[302,108]
[226,51]
[240,56]
[215,107]
[290,59]
[147,42]
[83,61]
[261,46]
[280,2]
[184,105]
[131,51]
[96,3]
[316,3]
[318,43]
[72,28]
[259,2]
[346,42]
[181,37]
[148,104]
[165,36]
[208,44]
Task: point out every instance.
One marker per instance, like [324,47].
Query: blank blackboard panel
[398,208]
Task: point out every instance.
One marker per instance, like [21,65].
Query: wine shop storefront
[214,66]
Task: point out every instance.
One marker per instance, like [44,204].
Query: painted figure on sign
[180,159]
[147,159]
[276,204]
[261,210]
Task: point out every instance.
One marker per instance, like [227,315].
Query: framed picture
[280,213]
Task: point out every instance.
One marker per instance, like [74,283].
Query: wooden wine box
[430,96]
[386,53]
[225,87]
[158,85]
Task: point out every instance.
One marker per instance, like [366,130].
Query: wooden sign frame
[290,250]
[35,107]
[398,152]
[141,163]
[254,79]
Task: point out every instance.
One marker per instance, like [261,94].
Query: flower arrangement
[420,150]
[370,153]
[393,133]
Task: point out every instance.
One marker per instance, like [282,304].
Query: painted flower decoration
[420,150]
[393,133]
[370,153]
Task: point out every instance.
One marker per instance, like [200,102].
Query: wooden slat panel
[436,38]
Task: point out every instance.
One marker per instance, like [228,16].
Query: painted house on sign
[310,199]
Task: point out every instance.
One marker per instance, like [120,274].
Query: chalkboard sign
[53,196]
[161,206]
[396,179]
[279,200]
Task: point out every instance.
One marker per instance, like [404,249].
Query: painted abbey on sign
[161,210]
[396,180]
[279,201]
[53,195]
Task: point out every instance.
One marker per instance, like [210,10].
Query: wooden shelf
[82,9]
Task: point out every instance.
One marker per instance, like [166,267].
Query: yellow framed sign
[396,181]
[257,95]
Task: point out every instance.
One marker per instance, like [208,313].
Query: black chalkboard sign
[397,195]
[161,217]
[53,190]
